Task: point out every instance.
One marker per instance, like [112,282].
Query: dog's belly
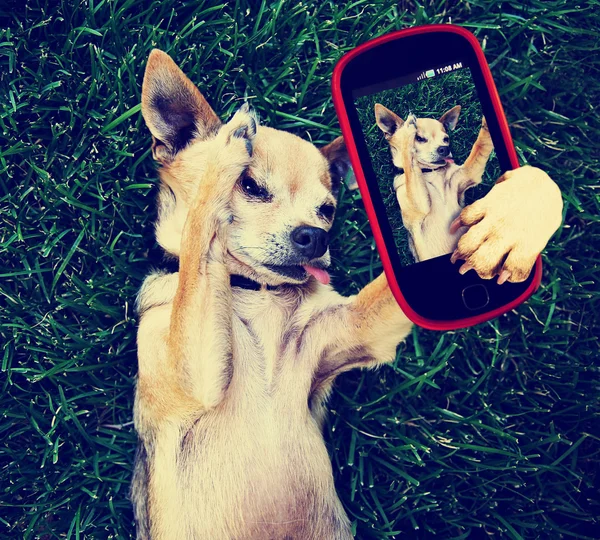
[431,235]
[256,466]
[246,476]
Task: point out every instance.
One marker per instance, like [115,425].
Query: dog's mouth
[296,272]
[300,272]
[443,161]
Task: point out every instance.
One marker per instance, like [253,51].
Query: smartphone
[426,135]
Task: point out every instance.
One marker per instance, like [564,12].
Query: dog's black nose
[443,150]
[310,242]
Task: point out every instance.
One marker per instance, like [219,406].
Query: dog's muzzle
[308,245]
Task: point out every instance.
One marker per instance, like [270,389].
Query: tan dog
[431,189]
[233,374]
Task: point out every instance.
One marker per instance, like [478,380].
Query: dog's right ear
[174,109]
[387,120]
[336,154]
[450,118]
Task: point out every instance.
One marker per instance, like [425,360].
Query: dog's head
[283,205]
[432,144]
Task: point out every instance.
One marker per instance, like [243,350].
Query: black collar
[401,171]
[242,282]
[171,264]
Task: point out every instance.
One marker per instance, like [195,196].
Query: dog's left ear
[339,165]
[388,121]
[450,118]
[174,109]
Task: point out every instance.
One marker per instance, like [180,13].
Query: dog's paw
[409,132]
[411,128]
[230,155]
[236,143]
[510,226]
[244,127]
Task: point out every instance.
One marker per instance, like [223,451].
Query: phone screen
[430,168]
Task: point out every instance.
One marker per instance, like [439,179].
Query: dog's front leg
[195,355]
[472,170]
[418,203]
[200,330]
[364,331]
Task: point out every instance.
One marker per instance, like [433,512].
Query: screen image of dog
[432,154]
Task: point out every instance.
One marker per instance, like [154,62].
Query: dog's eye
[251,188]
[327,211]
[446,140]
[421,139]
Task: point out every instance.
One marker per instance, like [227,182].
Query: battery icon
[430,73]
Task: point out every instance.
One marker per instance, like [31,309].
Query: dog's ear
[174,109]
[450,118]
[339,165]
[387,120]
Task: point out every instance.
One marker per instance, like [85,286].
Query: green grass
[490,431]
[430,98]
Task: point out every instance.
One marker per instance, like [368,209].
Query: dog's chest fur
[260,322]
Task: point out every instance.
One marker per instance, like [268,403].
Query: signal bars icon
[426,75]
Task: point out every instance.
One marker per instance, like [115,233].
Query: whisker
[252,247]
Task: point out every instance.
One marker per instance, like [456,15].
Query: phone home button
[475,297]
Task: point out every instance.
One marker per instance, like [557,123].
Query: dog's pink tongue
[320,275]
[449,160]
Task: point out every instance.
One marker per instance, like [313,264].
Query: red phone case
[362,184]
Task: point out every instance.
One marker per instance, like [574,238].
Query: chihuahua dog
[239,348]
[431,188]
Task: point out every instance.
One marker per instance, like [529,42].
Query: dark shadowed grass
[486,431]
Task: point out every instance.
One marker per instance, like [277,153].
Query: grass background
[429,98]
[490,431]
